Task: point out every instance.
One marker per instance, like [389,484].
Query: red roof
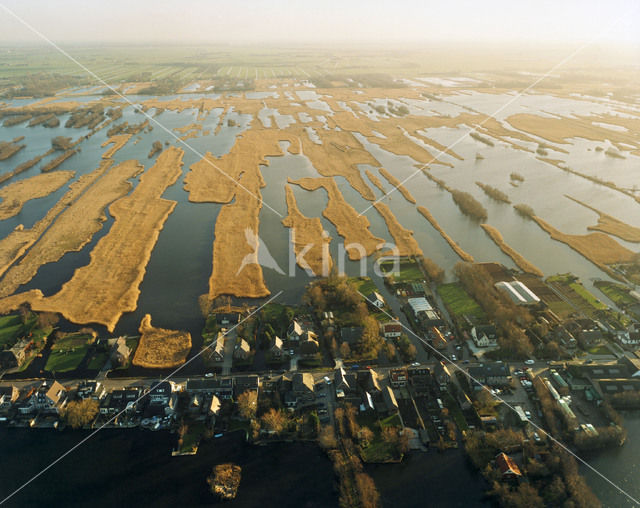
[507,466]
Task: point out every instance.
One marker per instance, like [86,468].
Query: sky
[329,21]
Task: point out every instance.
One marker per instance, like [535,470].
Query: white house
[484,336]
[375,299]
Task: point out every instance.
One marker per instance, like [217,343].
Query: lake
[135,468]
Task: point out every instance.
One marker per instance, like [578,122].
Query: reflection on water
[180,265]
[620,465]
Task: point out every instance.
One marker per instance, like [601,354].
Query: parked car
[529,362]
[209,374]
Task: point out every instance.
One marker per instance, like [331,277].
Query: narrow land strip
[599,248]
[14,196]
[520,261]
[398,185]
[75,226]
[309,238]
[402,237]
[611,225]
[14,245]
[465,256]
[358,239]
[108,286]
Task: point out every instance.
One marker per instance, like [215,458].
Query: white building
[518,292]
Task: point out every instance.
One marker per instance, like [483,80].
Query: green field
[458,301]
[617,293]
[587,296]
[67,353]
[409,270]
[98,359]
[364,285]
[378,450]
[11,328]
[573,290]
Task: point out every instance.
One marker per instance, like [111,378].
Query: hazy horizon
[329,22]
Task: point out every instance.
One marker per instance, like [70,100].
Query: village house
[438,340]
[309,346]
[195,403]
[494,374]
[303,386]
[217,351]
[295,331]
[242,350]
[244,383]
[423,312]
[160,393]
[484,336]
[221,387]
[118,401]
[367,403]
[375,299]
[507,467]
[345,384]
[14,356]
[213,409]
[391,329]
[587,331]
[390,405]
[629,338]
[275,349]
[398,377]
[442,376]
[368,380]
[8,395]
[91,389]
[120,352]
[49,398]
[226,319]
[420,378]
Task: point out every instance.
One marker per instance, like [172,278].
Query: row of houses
[302,334]
[159,401]
[364,389]
[241,350]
